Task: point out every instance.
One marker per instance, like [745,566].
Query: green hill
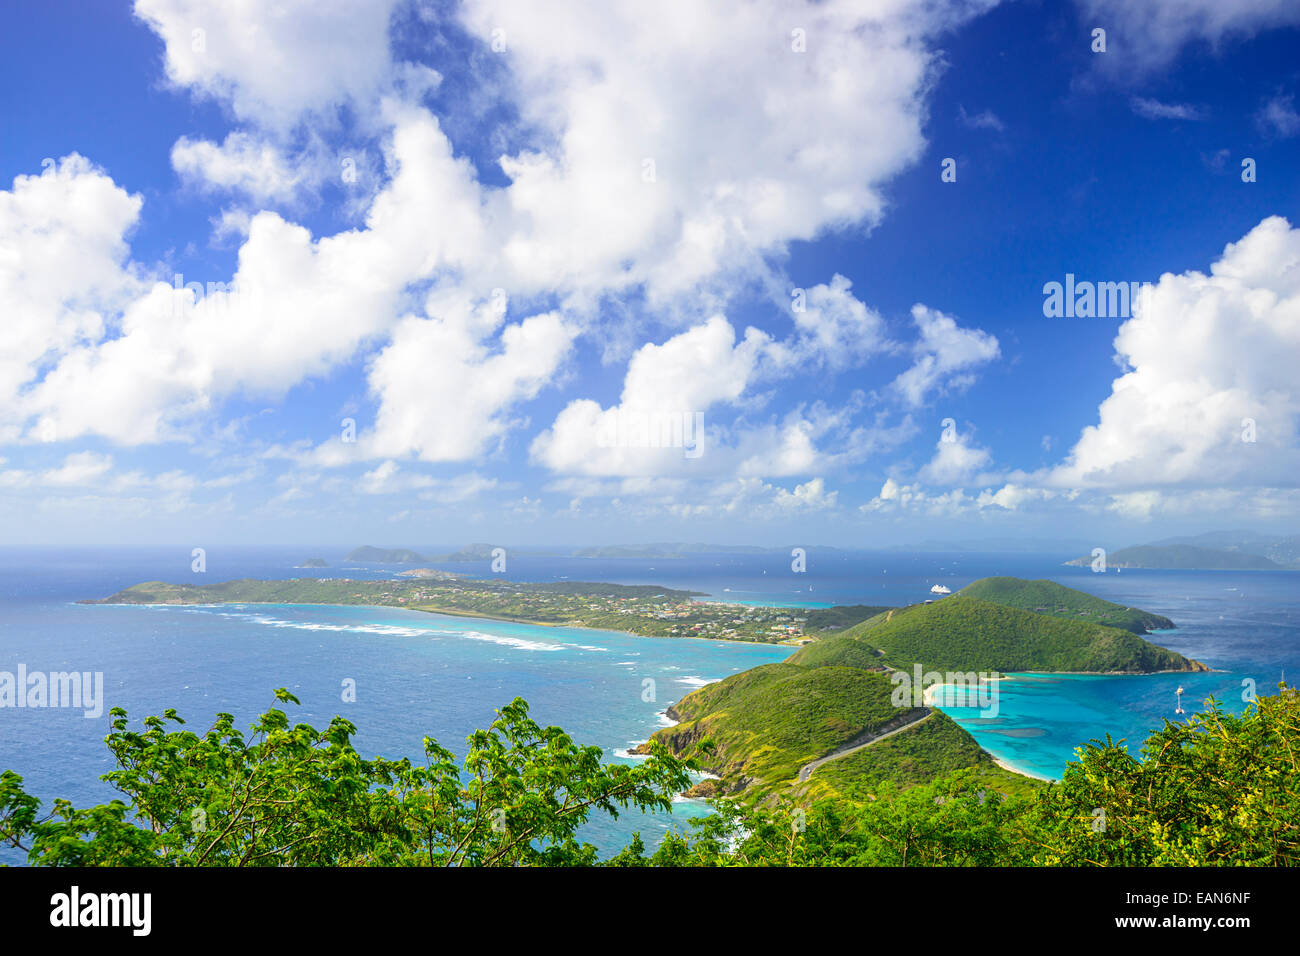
[937,747]
[840,616]
[757,729]
[1056,600]
[968,634]
[766,723]
[838,652]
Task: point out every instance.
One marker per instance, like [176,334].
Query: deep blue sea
[420,674]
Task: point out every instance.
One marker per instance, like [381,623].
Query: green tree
[1215,790]
[295,795]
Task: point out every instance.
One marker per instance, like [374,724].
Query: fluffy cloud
[945,355]
[684,191]
[985,120]
[1010,497]
[274,62]
[650,498]
[810,496]
[1203,417]
[86,478]
[443,392]
[73,213]
[1144,36]
[1209,395]
[955,460]
[388,478]
[79,468]
[665,421]
[296,308]
[750,145]
[895,496]
[657,427]
[1278,116]
[241,163]
[833,329]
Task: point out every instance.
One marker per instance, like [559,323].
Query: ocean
[419,674]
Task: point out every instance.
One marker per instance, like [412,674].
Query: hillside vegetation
[936,747]
[839,652]
[756,729]
[841,616]
[765,723]
[1056,600]
[968,634]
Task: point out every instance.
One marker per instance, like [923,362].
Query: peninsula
[828,720]
[645,610]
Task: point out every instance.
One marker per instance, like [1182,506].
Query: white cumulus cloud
[1209,394]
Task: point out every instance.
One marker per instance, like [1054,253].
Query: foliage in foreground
[298,796]
[1216,790]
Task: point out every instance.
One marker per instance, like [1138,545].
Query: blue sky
[497,242]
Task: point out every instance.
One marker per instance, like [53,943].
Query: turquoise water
[416,674]
[1042,718]
[419,674]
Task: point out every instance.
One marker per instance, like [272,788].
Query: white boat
[940,589]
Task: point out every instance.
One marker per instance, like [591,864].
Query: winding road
[853,746]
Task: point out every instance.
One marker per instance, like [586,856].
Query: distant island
[1283,550]
[994,545]
[1182,557]
[626,551]
[386,555]
[432,573]
[471,552]
[674,550]
[314,563]
[645,610]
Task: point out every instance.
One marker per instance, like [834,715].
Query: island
[669,550]
[314,563]
[471,552]
[627,551]
[385,555]
[1183,557]
[645,610]
[432,573]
